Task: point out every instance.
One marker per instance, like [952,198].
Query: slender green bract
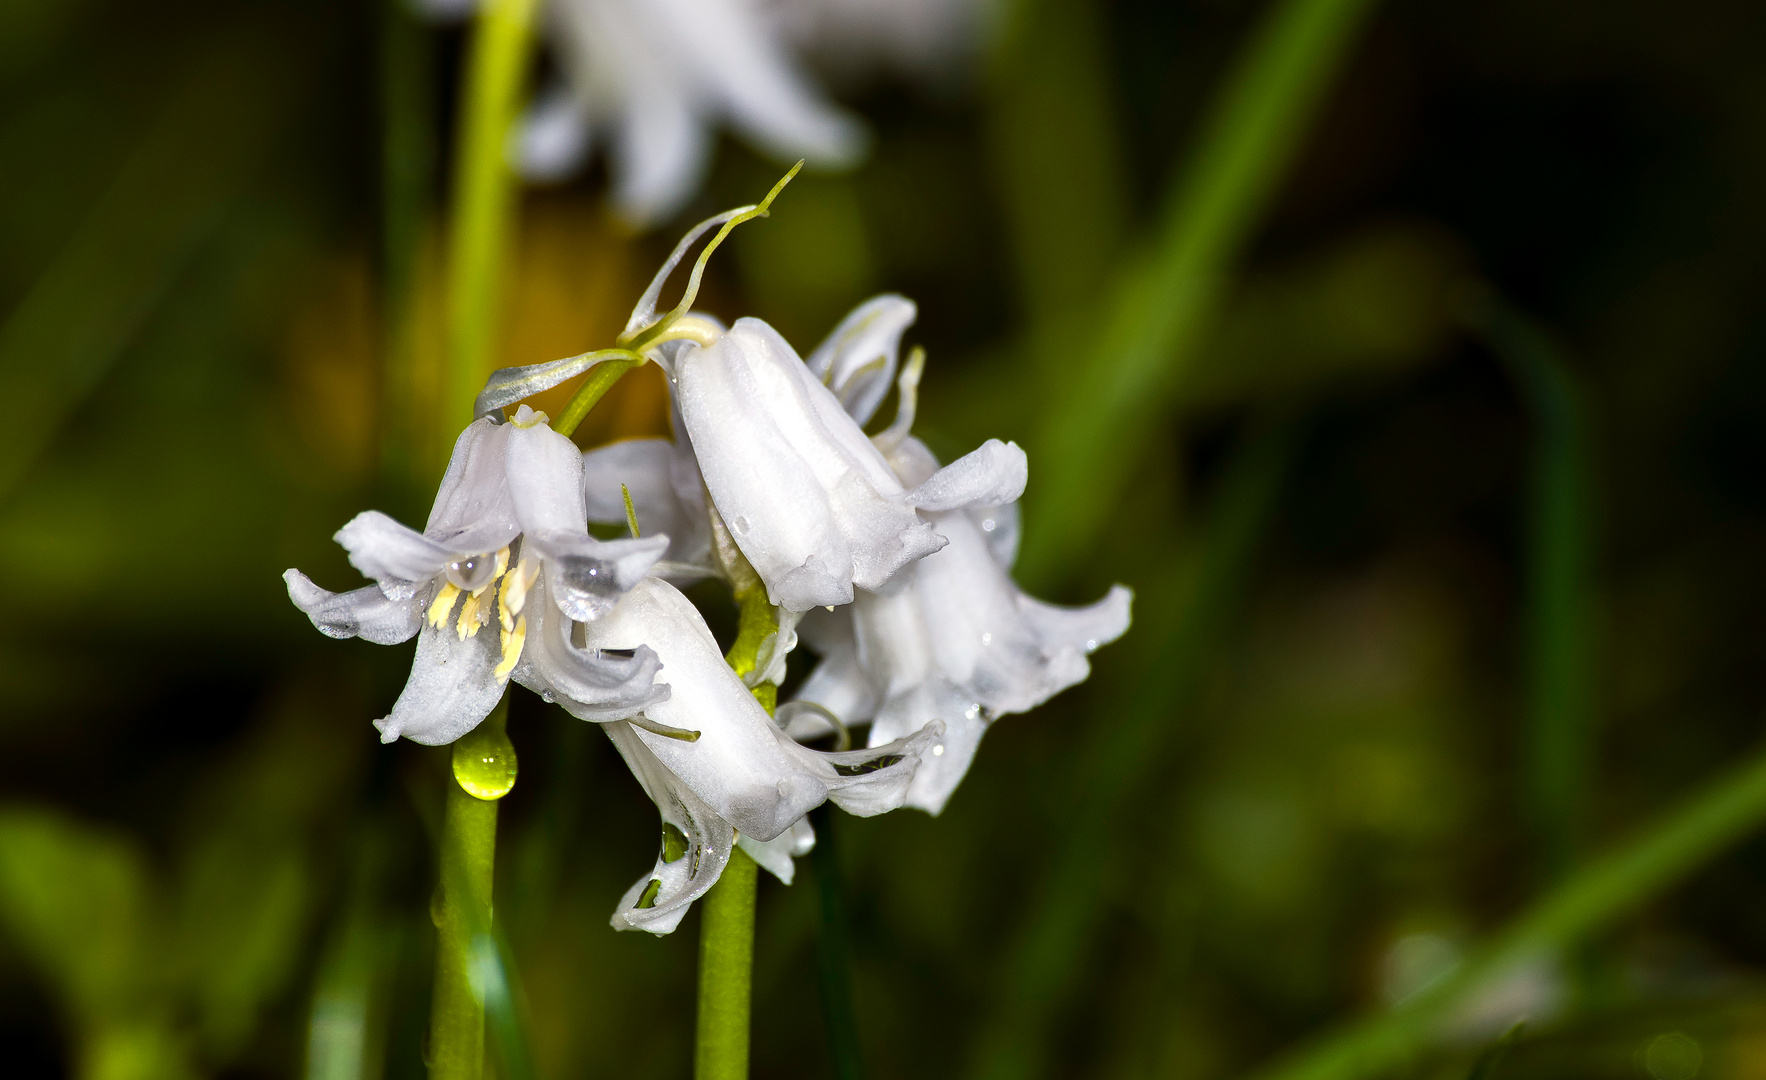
[1587,902]
[1113,395]
[483,772]
[484,193]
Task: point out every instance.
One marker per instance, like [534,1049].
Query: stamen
[471,618]
[513,640]
[907,400]
[443,606]
[513,596]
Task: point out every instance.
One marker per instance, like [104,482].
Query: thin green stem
[1592,899]
[484,195]
[483,772]
[600,380]
[1112,396]
[834,951]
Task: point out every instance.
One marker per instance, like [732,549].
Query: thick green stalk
[483,772]
[1725,811]
[601,379]
[1558,746]
[484,195]
[1110,398]
[726,972]
[726,933]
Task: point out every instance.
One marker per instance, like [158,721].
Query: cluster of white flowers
[653,80]
[896,570]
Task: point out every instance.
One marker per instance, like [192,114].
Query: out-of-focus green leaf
[1109,396]
[68,330]
[1371,304]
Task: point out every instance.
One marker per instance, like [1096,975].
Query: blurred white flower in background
[649,83]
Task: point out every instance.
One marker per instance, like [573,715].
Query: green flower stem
[1722,813]
[1112,396]
[726,934]
[484,195]
[601,379]
[483,772]
[726,972]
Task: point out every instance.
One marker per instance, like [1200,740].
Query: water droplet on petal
[1091,645]
[987,639]
[971,712]
[474,573]
[739,526]
[938,751]
[989,525]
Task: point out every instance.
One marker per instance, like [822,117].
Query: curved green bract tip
[639,340]
[631,515]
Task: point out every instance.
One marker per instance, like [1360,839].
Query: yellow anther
[513,595]
[512,642]
[443,606]
[470,617]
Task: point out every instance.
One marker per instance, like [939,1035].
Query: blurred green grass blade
[492,965]
[1558,746]
[1051,129]
[77,902]
[484,198]
[70,327]
[1110,395]
[834,949]
[1177,621]
[1723,812]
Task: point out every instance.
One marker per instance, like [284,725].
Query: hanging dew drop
[472,574]
[484,763]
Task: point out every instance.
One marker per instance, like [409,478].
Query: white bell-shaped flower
[810,501]
[716,764]
[508,526]
[957,641]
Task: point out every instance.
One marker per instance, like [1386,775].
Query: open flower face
[508,526]
[716,764]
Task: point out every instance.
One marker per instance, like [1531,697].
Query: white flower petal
[741,765]
[589,683]
[705,842]
[364,613]
[808,499]
[452,688]
[585,576]
[942,767]
[399,558]
[857,361]
[473,513]
[545,478]
[776,856]
[991,474]
[648,468]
